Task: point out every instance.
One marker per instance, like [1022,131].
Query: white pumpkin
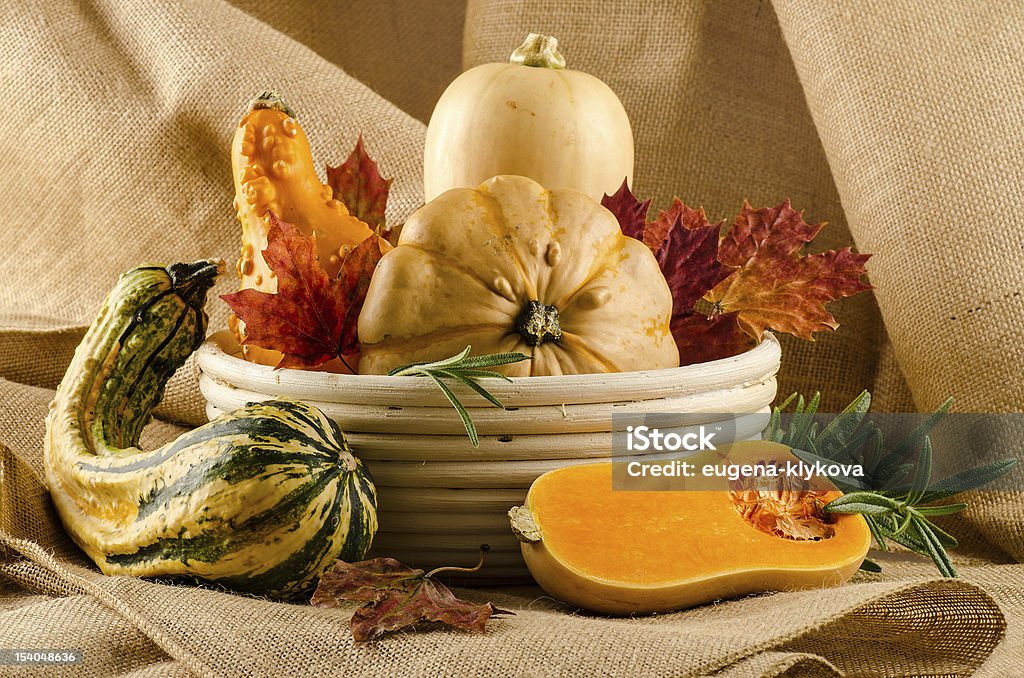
[531,117]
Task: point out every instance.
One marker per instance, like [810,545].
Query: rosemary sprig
[896,495]
[468,370]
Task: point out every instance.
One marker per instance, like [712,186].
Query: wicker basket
[439,497]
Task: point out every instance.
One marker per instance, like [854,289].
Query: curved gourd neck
[539,51]
[150,323]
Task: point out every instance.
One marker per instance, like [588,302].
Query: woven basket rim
[219,358]
[222,345]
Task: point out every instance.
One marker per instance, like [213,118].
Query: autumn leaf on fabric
[312,318]
[357,183]
[776,285]
[395,596]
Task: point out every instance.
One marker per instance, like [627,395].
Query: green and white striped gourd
[262,499]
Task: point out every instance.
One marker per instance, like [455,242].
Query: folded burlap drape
[898,122]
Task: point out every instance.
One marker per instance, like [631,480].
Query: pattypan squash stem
[540,51]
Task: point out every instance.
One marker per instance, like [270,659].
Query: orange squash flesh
[624,552]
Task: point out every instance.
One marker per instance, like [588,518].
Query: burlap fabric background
[897,122]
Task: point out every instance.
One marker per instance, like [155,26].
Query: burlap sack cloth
[899,122]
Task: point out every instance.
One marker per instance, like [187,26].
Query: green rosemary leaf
[467,370]
[945,538]
[492,360]
[941,510]
[471,384]
[907,519]
[905,448]
[775,432]
[788,401]
[876,533]
[967,480]
[851,449]
[865,508]
[483,374]
[801,421]
[922,474]
[467,421]
[894,478]
[837,436]
[887,522]
[799,408]
[910,539]
[411,367]
[865,498]
[935,549]
[875,449]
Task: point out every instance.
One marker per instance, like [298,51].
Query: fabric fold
[915,106]
[928,623]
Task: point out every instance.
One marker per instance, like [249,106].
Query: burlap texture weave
[897,122]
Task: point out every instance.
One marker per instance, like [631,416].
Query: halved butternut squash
[627,552]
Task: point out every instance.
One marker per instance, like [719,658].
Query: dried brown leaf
[394,597]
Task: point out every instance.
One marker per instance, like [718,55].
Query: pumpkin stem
[524,526]
[540,51]
[538,323]
[269,98]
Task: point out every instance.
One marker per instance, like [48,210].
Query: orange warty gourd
[626,552]
[510,266]
[274,172]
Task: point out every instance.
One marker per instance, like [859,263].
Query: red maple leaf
[701,338]
[312,318]
[684,242]
[358,185]
[395,596]
[631,213]
[776,285]
[757,277]
[688,254]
